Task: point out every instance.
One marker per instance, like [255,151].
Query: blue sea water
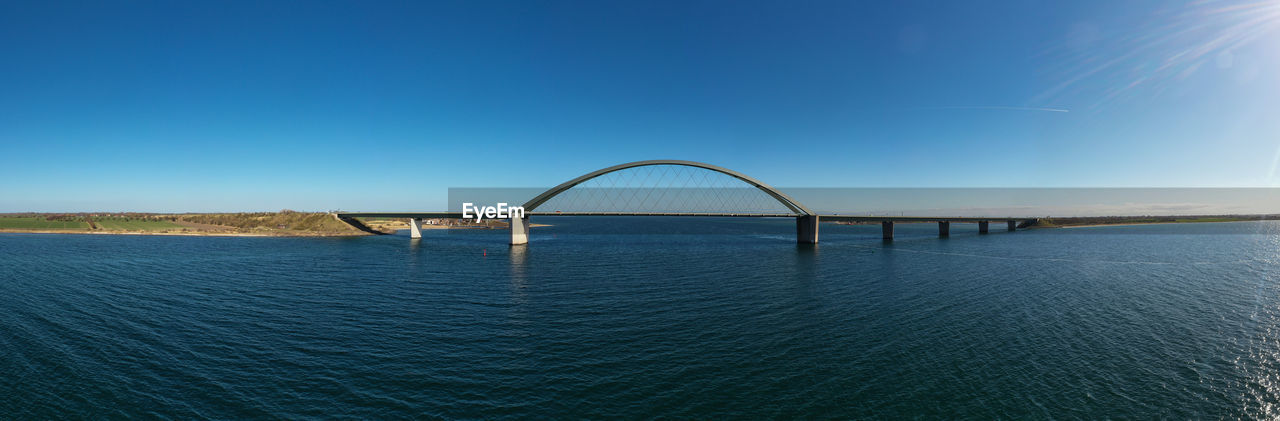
[644,317]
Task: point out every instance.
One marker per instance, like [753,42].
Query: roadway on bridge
[806,220]
[823,218]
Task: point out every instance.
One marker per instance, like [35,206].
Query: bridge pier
[807,229]
[414,230]
[944,228]
[1013,225]
[984,227]
[886,230]
[519,231]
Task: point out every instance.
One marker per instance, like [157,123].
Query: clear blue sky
[311,105]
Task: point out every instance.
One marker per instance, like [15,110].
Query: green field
[78,222]
[284,221]
[40,223]
[135,224]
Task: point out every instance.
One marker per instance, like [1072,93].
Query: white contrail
[996,107]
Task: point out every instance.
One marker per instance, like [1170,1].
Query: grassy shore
[273,224]
[284,223]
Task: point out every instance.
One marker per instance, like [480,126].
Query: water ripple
[731,321]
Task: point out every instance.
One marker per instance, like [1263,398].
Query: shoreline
[234,234]
[303,234]
[174,234]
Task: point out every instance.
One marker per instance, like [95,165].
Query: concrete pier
[944,228]
[414,231]
[807,229]
[1013,225]
[519,231]
[984,227]
[886,230]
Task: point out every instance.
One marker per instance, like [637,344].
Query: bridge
[737,195]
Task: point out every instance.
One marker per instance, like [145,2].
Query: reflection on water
[517,255]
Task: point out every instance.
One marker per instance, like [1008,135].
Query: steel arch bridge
[794,207]
[806,219]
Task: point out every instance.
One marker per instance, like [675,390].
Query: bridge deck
[823,218]
[861,218]
[419,215]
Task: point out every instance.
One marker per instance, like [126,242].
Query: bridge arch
[781,197]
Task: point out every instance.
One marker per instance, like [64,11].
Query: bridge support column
[1013,225]
[983,227]
[414,231]
[519,231]
[807,229]
[944,228]
[886,230]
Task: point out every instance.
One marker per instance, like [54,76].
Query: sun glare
[1170,47]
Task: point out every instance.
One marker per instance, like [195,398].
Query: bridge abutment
[807,229]
[519,231]
[414,230]
[1013,225]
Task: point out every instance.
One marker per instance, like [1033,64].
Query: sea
[647,317]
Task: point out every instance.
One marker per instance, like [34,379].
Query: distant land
[1068,222]
[287,223]
[283,223]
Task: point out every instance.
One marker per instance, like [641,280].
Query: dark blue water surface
[640,317]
